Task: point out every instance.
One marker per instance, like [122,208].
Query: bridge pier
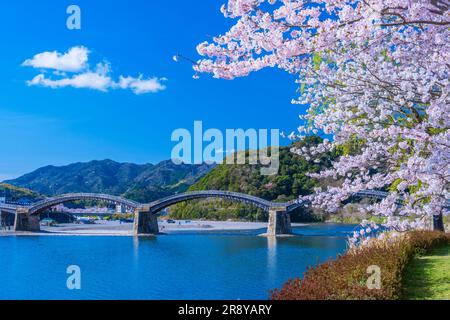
[2,219]
[279,223]
[25,221]
[145,223]
[6,219]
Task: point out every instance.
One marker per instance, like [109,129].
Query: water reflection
[272,258]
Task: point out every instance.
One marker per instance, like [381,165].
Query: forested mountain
[142,183]
[290,182]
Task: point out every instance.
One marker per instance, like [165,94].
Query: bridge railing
[8,206]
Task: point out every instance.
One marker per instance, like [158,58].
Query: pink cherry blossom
[372,73]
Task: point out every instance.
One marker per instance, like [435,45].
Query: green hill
[16,193]
[290,182]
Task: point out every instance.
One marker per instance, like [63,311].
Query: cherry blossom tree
[373,74]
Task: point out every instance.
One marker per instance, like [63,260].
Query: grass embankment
[428,276]
[347,276]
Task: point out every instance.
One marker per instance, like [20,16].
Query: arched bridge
[374,194]
[145,222]
[46,204]
[161,204]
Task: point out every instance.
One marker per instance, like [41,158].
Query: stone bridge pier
[6,220]
[279,223]
[25,221]
[145,222]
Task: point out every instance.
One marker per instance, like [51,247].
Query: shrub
[346,277]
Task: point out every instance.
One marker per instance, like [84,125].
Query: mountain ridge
[139,182]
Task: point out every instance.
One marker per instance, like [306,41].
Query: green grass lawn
[428,277]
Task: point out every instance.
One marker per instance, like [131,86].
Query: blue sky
[41,126]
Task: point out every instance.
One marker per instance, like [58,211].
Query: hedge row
[346,277]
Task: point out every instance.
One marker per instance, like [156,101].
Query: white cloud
[97,80]
[72,61]
[141,85]
[88,80]
[84,78]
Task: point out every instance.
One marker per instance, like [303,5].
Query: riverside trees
[372,73]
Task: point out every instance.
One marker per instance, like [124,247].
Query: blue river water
[232,265]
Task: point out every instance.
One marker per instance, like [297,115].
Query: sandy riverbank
[115,228]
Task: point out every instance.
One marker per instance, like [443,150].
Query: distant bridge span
[27,217]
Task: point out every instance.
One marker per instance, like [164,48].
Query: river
[196,265]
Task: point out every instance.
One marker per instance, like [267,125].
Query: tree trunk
[438,222]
